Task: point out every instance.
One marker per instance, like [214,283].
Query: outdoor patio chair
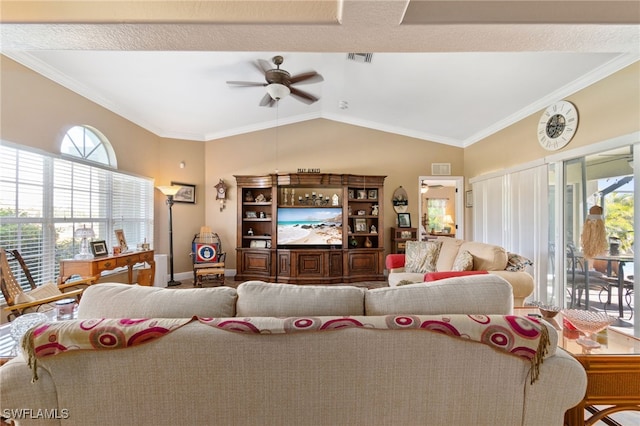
[39,298]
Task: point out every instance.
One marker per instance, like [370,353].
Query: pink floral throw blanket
[516,335]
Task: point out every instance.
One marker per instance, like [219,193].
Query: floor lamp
[170,191]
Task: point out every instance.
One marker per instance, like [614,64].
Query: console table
[95,267]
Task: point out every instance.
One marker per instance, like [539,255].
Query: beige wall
[606,109]
[29,98]
[37,112]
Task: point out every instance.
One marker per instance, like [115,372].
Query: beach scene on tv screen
[313,226]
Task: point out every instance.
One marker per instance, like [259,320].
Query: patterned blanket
[520,336]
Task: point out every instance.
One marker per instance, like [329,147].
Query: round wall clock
[557,125]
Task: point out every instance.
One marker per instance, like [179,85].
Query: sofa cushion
[448,252]
[421,256]
[258,298]
[474,295]
[115,300]
[436,276]
[486,257]
[44,291]
[463,262]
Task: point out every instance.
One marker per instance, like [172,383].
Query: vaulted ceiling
[452,72]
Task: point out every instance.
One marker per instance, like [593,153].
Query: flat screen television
[309,226]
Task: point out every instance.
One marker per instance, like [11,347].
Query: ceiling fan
[424,186]
[279,83]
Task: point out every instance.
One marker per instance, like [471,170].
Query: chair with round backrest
[38,298]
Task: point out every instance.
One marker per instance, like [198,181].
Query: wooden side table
[612,379]
[94,267]
[613,371]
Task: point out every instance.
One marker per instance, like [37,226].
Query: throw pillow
[436,276]
[422,256]
[463,261]
[44,291]
[517,263]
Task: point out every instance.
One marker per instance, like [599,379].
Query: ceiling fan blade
[246,83]
[305,97]
[267,100]
[306,78]
[264,65]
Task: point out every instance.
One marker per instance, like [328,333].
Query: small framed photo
[251,214]
[362,194]
[99,248]
[120,240]
[352,194]
[360,225]
[186,194]
[373,194]
[404,220]
[468,199]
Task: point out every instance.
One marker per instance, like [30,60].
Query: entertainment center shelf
[310,228]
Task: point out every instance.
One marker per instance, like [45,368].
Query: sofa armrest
[394,261]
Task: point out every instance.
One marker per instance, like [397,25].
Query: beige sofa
[202,375]
[486,257]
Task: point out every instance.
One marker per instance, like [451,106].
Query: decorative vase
[368,243]
[353,242]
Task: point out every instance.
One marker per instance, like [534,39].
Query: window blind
[43,199]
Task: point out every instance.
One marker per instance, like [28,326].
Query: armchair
[39,297]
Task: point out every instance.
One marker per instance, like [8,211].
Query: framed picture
[186,194]
[352,194]
[121,241]
[404,220]
[468,199]
[361,225]
[362,194]
[99,248]
[373,194]
[251,214]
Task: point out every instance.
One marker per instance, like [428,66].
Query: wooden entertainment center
[351,250]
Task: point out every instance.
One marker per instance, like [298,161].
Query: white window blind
[43,199]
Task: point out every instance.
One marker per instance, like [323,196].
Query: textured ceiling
[452,72]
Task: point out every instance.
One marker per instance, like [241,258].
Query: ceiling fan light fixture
[277,91]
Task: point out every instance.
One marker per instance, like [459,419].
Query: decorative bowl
[589,323]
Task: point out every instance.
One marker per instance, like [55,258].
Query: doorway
[441,207]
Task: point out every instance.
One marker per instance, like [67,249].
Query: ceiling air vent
[360,57]
[441,169]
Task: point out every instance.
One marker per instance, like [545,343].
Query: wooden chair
[13,292]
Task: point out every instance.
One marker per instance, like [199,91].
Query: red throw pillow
[435,276]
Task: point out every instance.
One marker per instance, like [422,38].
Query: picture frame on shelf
[373,194]
[99,248]
[405,235]
[186,193]
[251,214]
[352,194]
[360,225]
[468,199]
[404,220]
[362,194]
[121,240]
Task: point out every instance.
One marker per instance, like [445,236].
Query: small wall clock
[557,125]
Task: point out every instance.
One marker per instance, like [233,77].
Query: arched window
[89,144]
